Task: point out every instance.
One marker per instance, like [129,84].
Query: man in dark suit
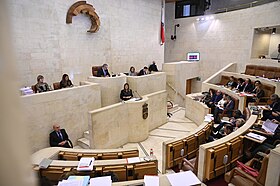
[273,112]
[153,67]
[248,86]
[103,71]
[59,138]
[227,109]
[143,71]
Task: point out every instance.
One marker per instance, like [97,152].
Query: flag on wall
[162,25]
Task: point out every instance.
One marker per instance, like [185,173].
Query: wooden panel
[142,169]
[120,171]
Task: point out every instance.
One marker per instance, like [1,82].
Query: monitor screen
[193,56]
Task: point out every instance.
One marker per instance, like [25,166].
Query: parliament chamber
[161,92]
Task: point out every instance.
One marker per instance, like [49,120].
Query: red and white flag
[162,25]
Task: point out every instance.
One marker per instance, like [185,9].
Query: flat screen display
[193,56]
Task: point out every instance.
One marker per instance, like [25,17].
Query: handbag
[247,169]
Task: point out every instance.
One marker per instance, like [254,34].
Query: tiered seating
[221,155]
[188,145]
[124,171]
[75,156]
[268,89]
[267,71]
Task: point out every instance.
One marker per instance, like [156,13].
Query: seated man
[59,138]
[227,109]
[143,71]
[216,97]
[41,86]
[273,111]
[103,71]
[153,67]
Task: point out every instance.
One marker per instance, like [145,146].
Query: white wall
[274,42]
[226,39]
[45,44]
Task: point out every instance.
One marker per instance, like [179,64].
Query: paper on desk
[151,180]
[269,126]
[101,181]
[183,179]
[70,183]
[256,136]
[208,118]
[85,164]
[133,160]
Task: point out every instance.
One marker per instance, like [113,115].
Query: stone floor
[176,126]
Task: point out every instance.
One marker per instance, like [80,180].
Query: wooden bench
[188,145]
[125,171]
[75,156]
[212,155]
[268,71]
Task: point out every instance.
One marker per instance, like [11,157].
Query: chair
[95,70]
[149,168]
[130,154]
[250,70]
[260,71]
[119,170]
[224,80]
[53,173]
[56,86]
[270,72]
[241,178]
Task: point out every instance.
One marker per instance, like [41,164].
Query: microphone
[140,97]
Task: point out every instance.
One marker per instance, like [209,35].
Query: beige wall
[226,39]
[115,125]
[45,44]
[177,74]
[260,44]
[68,107]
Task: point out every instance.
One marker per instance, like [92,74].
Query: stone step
[86,134]
[83,143]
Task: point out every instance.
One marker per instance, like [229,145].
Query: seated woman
[126,93]
[231,84]
[65,82]
[132,71]
[42,86]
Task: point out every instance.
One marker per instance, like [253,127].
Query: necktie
[60,135]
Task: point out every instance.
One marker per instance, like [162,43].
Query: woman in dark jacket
[126,93]
[65,82]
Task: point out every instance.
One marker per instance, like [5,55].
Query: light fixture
[273,30]
[173,37]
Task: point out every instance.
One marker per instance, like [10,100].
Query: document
[151,180]
[269,126]
[85,164]
[187,178]
[101,181]
[85,179]
[208,118]
[256,136]
[70,183]
[133,160]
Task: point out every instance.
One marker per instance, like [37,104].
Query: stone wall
[45,44]
[225,39]
[67,107]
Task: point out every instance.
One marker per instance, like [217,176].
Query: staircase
[84,142]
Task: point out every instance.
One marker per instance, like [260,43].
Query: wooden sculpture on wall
[81,7]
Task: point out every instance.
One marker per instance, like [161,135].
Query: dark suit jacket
[248,88]
[100,73]
[55,139]
[141,73]
[240,87]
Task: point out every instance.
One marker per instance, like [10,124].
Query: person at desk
[231,84]
[143,71]
[42,86]
[153,67]
[239,86]
[258,92]
[216,97]
[132,71]
[273,110]
[59,138]
[65,82]
[227,109]
[126,93]
[248,86]
[103,71]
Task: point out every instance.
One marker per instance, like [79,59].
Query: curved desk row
[76,154]
[213,154]
[123,169]
[187,146]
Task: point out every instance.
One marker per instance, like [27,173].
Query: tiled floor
[177,126]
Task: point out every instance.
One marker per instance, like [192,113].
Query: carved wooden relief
[81,7]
